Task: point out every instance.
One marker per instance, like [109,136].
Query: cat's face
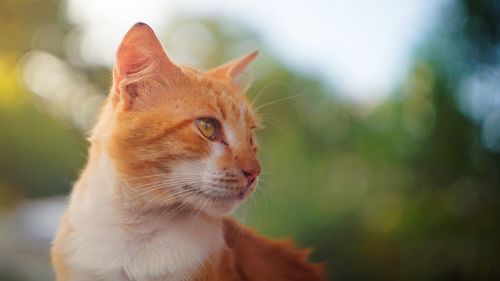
[180,138]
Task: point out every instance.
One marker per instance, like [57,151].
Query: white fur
[229,132]
[230,135]
[156,248]
[203,175]
[243,110]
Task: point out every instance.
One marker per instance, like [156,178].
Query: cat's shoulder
[260,258]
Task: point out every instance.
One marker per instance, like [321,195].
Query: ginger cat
[171,156]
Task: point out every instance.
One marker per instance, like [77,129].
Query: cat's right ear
[230,71]
[140,59]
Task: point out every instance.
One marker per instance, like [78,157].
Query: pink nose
[251,174]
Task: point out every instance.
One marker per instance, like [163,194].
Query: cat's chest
[153,250]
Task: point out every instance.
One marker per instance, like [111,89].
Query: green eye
[207,127]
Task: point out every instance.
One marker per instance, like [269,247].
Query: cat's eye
[208,127]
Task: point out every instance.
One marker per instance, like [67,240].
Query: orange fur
[251,257]
[163,169]
[57,254]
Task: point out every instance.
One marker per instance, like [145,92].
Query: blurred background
[381,147]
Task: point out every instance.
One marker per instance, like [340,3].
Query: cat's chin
[217,213]
[221,209]
[219,205]
[225,206]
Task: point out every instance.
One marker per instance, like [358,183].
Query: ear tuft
[140,24]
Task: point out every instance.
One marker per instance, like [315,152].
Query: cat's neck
[166,245]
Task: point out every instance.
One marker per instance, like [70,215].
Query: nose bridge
[241,150]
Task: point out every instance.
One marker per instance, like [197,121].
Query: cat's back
[259,259]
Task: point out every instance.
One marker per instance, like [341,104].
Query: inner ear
[140,59]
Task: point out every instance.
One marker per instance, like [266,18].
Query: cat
[172,154]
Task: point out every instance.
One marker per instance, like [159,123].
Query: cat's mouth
[224,196]
[218,200]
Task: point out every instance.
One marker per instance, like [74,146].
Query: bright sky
[362,47]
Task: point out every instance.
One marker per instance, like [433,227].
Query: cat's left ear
[141,63]
[230,71]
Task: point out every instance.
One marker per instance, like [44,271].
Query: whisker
[276,123]
[158,185]
[156,200]
[266,88]
[140,212]
[277,101]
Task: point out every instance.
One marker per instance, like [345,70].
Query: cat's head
[179,137]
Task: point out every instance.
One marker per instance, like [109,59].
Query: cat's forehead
[235,106]
[232,106]
[210,94]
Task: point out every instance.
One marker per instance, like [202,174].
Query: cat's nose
[251,174]
[249,165]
